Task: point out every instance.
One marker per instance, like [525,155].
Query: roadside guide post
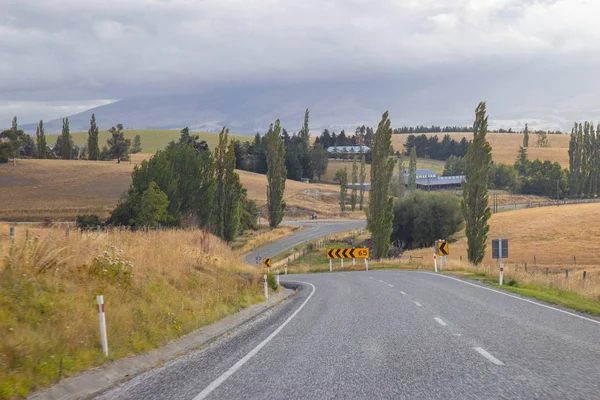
[277,277]
[102,319]
[266,266]
[330,265]
[500,251]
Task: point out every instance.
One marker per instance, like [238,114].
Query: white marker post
[286,270]
[446,262]
[367,263]
[266,288]
[102,319]
[330,265]
[435,262]
[354,261]
[500,267]
[277,277]
[342,262]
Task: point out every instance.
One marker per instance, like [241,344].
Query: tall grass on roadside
[157,286]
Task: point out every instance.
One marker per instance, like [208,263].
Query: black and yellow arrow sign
[348,253]
[442,248]
[267,262]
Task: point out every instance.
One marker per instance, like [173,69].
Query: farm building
[429,180]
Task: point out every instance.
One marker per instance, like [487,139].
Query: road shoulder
[96,381]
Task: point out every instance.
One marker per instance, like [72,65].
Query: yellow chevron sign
[266,262]
[362,252]
[442,248]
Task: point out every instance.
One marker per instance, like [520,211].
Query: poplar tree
[354,194]
[276,174]
[526,137]
[219,168]
[67,141]
[400,193]
[93,146]
[380,214]
[474,204]
[341,176]
[41,140]
[234,196]
[362,178]
[412,170]
[575,160]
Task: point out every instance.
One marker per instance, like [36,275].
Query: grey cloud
[71,50]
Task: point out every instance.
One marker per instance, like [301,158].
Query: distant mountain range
[246,110]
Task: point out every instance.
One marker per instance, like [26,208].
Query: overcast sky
[59,57]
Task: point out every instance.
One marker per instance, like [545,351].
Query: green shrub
[272,282]
[87,221]
[423,217]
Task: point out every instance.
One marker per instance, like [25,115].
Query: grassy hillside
[157,286]
[505,146]
[152,140]
[59,189]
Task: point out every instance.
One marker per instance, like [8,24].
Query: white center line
[217,382]
[418,304]
[380,281]
[488,356]
[403,292]
[439,321]
[370,277]
[390,285]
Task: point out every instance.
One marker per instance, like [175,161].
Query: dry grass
[505,146]
[157,286]
[61,190]
[553,235]
[251,240]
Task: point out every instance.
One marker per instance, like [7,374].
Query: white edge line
[217,382]
[487,355]
[417,303]
[440,321]
[514,297]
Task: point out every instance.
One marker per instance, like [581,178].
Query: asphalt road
[314,230]
[390,334]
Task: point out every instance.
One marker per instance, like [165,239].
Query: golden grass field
[552,234]
[179,281]
[505,146]
[59,189]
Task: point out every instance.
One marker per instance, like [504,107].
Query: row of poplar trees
[474,204]
[584,160]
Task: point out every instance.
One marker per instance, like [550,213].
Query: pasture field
[152,140]
[334,165]
[61,190]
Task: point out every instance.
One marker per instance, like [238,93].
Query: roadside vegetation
[157,286]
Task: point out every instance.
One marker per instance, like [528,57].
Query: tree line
[450,129]
[431,147]
[15,143]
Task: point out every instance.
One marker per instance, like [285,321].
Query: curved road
[390,334]
[314,230]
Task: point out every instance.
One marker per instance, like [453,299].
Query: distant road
[314,230]
[392,335]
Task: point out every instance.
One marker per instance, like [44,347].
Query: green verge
[560,297]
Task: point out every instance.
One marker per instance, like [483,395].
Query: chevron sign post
[353,253]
